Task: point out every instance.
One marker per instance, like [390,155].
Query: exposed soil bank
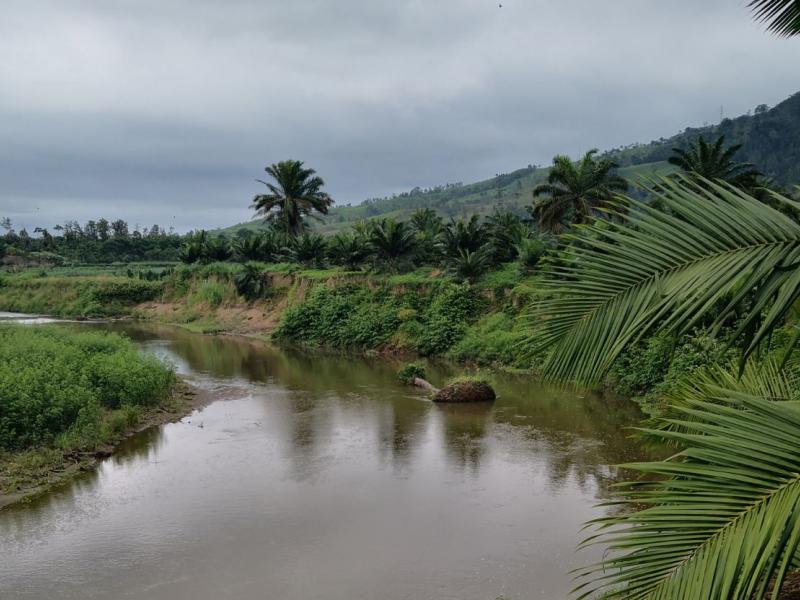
[42,470]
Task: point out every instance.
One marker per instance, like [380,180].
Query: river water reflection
[320,477]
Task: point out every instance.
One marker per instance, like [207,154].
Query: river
[316,476]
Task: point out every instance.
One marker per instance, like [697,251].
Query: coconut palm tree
[296,193]
[714,161]
[575,191]
[782,16]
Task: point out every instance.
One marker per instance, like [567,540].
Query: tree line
[96,241]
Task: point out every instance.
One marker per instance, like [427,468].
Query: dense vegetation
[72,391]
[702,254]
[98,241]
[37,291]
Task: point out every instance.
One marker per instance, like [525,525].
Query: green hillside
[770,139]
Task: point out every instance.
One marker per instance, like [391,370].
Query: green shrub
[495,339]
[57,382]
[408,372]
[346,316]
[213,293]
[445,320]
[654,365]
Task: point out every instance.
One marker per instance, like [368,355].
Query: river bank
[28,474]
[69,396]
[424,313]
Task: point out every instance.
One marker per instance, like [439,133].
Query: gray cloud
[167,111]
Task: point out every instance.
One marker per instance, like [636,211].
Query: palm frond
[782,16]
[724,522]
[664,269]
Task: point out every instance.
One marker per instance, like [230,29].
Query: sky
[166,111]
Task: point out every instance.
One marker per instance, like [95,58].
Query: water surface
[320,477]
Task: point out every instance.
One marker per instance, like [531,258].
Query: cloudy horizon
[166,113]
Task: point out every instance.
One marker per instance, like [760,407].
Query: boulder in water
[466,391]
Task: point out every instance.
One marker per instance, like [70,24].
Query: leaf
[723,522]
[782,16]
[710,245]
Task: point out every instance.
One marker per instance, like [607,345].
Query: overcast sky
[165,111]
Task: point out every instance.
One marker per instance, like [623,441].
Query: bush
[495,339]
[347,316]
[57,382]
[446,319]
[410,371]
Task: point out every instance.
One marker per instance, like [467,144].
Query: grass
[77,296]
[66,392]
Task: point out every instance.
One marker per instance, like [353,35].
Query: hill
[770,139]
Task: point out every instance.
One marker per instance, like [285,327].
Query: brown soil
[790,590]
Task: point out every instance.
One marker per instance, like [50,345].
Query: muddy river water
[315,476]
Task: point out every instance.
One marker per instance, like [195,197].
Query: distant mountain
[770,139]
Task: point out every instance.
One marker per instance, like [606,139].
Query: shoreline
[185,399]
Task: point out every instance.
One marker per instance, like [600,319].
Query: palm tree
[468,265]
[296,193]
[393,242]
[348,250]
[723,518]
[463,234]
[726,520]
[782,16]
[575,191]
[714,161]
[664,270]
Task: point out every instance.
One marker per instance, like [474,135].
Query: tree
[467,265]
[782,16]
[664,269]
[461,235]
[102,229]
[393,242]
[715,162]
[726,520]
[296,193]
[348,250]
[574,192]
[120,228]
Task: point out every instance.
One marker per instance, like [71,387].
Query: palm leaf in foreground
[782,16]
[724,522]
[711,246]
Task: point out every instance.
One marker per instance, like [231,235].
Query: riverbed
[317,476]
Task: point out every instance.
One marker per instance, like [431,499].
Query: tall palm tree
[782,16]
[714,161]
[296,193]
[575,191]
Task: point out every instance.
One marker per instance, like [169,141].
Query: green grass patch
[60,388]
